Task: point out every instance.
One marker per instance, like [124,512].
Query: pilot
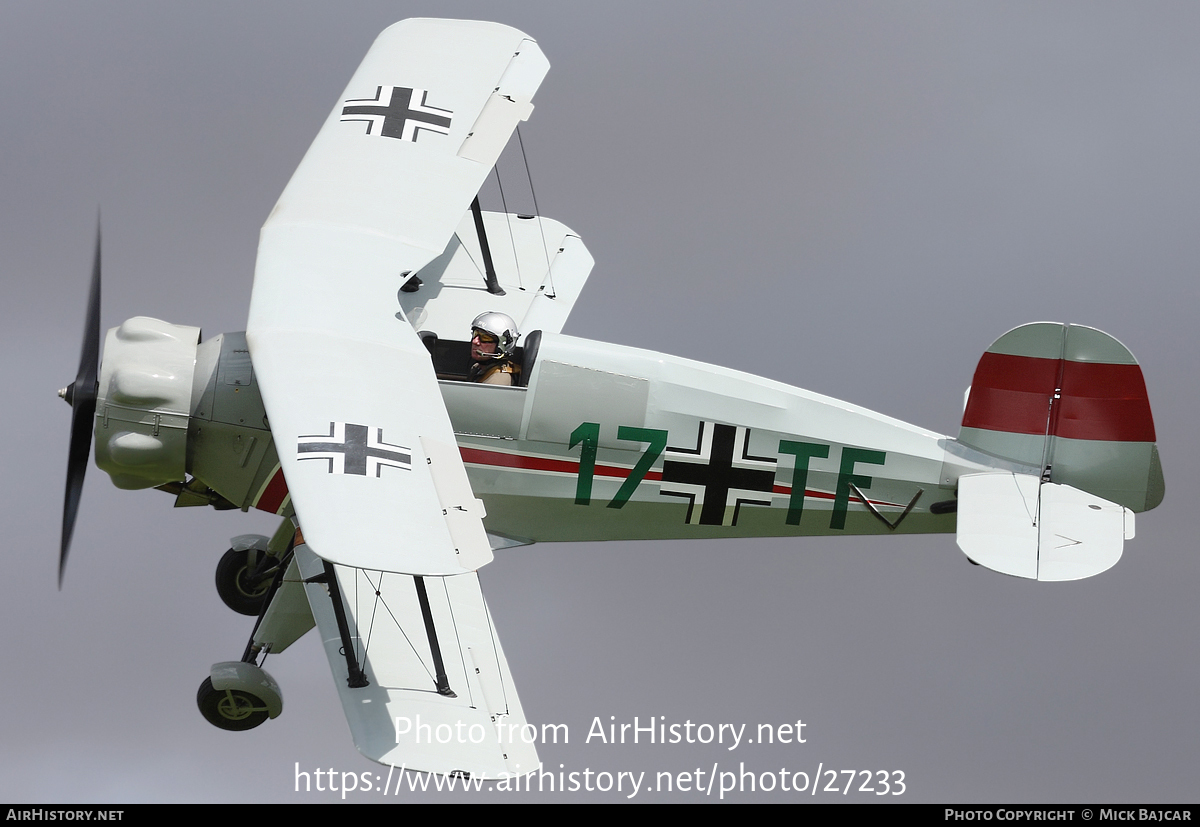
[493,338]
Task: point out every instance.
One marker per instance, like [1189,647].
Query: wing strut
[443,683]
[493,284]
[356,678]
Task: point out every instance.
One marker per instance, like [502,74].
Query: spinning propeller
[81,396]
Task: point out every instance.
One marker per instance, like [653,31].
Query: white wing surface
[541,264]
[363,438]
[474,724]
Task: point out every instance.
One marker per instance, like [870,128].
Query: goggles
[484,337]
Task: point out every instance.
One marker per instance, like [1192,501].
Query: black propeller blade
[81,395]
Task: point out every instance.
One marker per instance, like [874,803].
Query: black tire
[230,709]
[234,586]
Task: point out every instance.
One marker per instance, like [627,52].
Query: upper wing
[363,438]
[541,264]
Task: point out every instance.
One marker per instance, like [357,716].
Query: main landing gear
[240,695]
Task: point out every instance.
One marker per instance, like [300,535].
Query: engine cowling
[185,416]
[144,402]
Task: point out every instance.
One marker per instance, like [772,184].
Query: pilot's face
[483,345]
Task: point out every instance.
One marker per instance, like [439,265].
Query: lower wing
[425,686]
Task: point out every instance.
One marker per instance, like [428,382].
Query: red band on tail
[1099,401]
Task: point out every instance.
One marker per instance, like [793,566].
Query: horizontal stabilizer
[1018,525]
[439,696]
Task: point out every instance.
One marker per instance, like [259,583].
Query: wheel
[232,709]
[238,589]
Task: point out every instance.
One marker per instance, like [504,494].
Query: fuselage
[604,442]
[609,442]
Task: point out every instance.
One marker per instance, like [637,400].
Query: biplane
[346,409]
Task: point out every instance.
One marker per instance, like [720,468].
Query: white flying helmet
[502,328]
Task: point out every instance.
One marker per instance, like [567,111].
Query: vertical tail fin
[1071,400]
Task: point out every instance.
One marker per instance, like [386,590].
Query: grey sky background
[856,198]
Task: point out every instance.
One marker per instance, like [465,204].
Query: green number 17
[588,434]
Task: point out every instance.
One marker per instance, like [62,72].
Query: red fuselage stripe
[276,490]
[274,494]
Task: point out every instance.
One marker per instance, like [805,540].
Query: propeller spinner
[81,396]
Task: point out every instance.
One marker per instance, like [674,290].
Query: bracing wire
[454,625]
[508,222]
[379,600]
[538,211]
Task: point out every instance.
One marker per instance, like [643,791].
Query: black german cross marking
[392,113]
[713,477]
[354,449]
